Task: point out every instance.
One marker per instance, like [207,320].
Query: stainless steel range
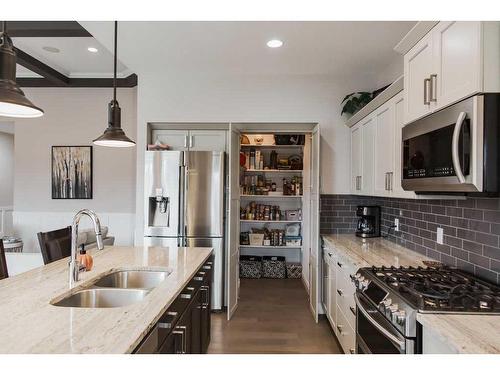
[388,299]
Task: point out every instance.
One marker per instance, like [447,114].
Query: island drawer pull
[187,295]
[171,315]
[339,292]
[352,351]
[339,264]
[353,310]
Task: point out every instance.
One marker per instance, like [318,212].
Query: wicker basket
[250,267]
[273,267]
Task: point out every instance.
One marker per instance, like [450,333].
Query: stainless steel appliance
[455,149]
[184,193]
[388,299]
[368,222]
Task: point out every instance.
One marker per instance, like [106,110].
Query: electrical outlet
[396,225]
[440,236]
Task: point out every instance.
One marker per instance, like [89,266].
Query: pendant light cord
[114,71]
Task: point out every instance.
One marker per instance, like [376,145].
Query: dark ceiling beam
[30,63]
[130,81]
[47,29]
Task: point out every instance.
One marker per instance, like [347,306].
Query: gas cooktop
[440,289]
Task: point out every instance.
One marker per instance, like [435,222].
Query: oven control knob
[364,284]
[401,317]
[392,309]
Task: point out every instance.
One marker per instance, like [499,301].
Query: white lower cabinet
[345,333]
[341,308]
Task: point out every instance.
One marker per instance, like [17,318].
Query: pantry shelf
[269,247]
[270,221]
[273,171]
[271,197]
[272,146]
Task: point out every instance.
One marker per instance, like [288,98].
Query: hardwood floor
[273,316]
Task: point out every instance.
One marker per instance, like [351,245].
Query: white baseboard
[28,224]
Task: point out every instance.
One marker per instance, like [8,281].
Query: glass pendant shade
[13,102]
[114,136]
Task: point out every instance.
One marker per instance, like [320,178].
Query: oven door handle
[394,339]
[454,147]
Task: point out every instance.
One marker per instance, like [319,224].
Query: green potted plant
[354,101]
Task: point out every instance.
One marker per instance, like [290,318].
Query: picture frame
[72,172]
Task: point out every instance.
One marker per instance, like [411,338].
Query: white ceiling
[73,60]
[327,48]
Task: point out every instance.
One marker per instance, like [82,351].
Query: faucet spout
[74,264]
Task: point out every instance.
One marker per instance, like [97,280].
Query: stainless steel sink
[132,279]
[103,297]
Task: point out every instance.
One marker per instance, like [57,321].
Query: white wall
[73,117]
[6,169]
[282,98]
[391,72]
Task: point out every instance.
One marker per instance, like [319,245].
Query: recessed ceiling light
[51,49]
[92,49]
[274,43]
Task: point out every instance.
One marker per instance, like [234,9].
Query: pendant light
[13,103]
[114,136]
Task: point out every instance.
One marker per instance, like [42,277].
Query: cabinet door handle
[185,141]
[433,96]
[339,292]
[352,351]
[391,182]
[339,328]
[191,141]
[386,181]
[339,264]
[206,289]
[180,331]
[353,310]
[427,82]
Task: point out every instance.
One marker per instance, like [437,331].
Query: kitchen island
[30,324]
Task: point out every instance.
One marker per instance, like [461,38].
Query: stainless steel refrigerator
[184,193]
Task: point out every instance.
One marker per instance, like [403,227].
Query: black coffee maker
[368,221]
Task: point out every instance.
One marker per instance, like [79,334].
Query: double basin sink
[116,289]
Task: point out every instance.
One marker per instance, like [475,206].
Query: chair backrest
[55,244]
[3,262]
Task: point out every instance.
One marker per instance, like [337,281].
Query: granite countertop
[464,333]
[471,334]
[30,324]
[373,251]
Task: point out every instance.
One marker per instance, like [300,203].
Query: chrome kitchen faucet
[74,264]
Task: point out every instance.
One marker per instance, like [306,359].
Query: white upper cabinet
[456,59]
[376,150]
[356,154]
[384,150]
[207,140]
[418,65]
[177,140]
[368,150]
[192,140]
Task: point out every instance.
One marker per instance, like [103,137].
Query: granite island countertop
[30,324]
[461,332]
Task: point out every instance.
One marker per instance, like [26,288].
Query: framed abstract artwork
[72,172]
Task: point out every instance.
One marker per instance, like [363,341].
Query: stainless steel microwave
[454,150]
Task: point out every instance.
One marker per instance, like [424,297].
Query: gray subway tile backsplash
[471,228]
